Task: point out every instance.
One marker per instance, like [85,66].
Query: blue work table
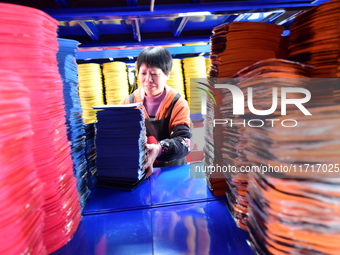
[168,213]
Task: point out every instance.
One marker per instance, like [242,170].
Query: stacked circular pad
[234,144]
[218,45]
[91,155]
[172,45]
[297,209]
[213,138]
[116,82]
[90,90]
[315,36]
[194,70]
[207,66]
[138,83]
[176,80]
[21,204]
[192,44]
[213,135]
[234,46]
[239,44]
[68,70]
[28,40]
[262,77]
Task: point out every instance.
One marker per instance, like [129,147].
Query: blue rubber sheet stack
[120,143]
[74,122]
[91,155]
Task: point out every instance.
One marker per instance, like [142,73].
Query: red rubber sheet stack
[28,42]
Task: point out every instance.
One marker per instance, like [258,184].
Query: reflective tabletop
[197,228]
[171,212]
[167,185]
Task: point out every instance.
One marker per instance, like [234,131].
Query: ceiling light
[186,14]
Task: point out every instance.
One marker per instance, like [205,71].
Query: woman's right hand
[153,150]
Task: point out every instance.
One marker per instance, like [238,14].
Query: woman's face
[152,79]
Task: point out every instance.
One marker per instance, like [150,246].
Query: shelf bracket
[179,26]
[90,28]
[136,30]
[289,15]
[272,17]
[152,5]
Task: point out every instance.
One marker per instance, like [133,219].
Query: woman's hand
[153,151]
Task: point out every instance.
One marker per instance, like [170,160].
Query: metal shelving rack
[102,27]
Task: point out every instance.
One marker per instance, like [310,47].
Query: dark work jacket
[159,129]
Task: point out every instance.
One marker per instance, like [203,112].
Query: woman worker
[167,118]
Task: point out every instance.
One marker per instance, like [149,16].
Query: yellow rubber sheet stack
[90,90]
[194,67]
[176,80]
[116,82]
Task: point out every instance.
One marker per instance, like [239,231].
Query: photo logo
[282,98]
[213,94]
[238,99]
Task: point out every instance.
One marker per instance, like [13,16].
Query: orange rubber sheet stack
[262,78]
[212,157]
[240,44]
[28,39]
[315,40]
[283,48]
[296,210]
[235,46]
[218,45]
[233,155]
[213,135]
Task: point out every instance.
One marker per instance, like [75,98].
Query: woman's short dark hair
[155,56]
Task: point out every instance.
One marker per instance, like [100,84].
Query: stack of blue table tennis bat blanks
[120,143]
